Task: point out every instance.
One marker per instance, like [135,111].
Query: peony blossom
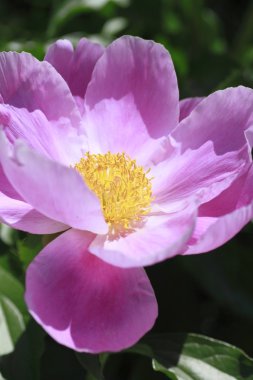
[95,145]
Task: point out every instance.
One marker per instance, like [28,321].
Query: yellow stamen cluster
[122,187]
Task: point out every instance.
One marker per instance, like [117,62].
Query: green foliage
[93,364]
[211,43]
[196,357]
[28,248]
[24,362]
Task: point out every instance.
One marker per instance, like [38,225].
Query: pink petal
[187,106]
[116,126]
[84,303]
[6,188]
[57,141]
[75,66]
[249,136]
[221,118]
[220,219]
[28,83]
[143,69]
[21,216]
[197,172]
[54,190]
[161,237]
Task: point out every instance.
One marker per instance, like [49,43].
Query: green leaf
[226,274]
[28,248]
[113,26]
[196,357]
[70,9]
[13,290]
[13,311]
[7,234]
[92,364]
[24,362]
[11,325]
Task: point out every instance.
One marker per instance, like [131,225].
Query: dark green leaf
[92,364]
[28,248]
[226,275]
[12,290]
[11,325]
[196,357]
[24,362]
[71,8]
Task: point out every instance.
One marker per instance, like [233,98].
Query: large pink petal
[75,66]
[19,215]
[221,118]
[187,106]
[28,83]
[84,303]
[116,126]
[220,219]
[143,69]
[5,186]
[59,142]
[197,172]
[52,189]
[161,237]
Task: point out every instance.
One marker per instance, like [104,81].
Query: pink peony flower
[91,146]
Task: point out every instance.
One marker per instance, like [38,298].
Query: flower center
[123,188]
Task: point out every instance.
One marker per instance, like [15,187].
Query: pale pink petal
[6,188]
[249,135]
[162,236]
[197,172]
[59,142]
[187,106]
[19,215]
[144,70]
[221,118]
[54,190]
[85,303]
[213,232]
[116,126]
[75,66]
[220,219]
[28,83]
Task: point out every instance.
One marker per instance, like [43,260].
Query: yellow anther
[123,188]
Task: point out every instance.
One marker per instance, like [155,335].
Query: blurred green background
[211,43]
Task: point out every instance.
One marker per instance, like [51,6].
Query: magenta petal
[144,70]
[58,141]
[116,126]
[187,106]
[212,232]
[197,172]
[220,219]
[54,190]
[6,188]
[162,236]
[20,215]
[60,55]
[75,66]
[84,303]
[224,113]
[28,83]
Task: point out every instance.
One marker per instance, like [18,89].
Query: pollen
[123,188]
